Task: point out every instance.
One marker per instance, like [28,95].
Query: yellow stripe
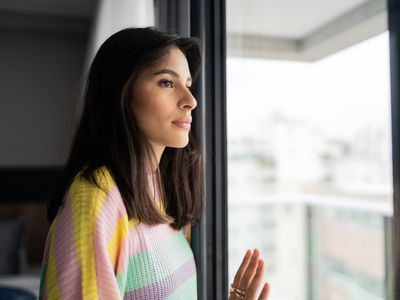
[51,281]
[133,223]
[106,181]
[87,200]
[117,239]
[160,205]
[119,236]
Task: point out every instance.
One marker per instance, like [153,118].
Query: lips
[183,122]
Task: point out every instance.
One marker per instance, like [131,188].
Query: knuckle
[236,279]
[245,281]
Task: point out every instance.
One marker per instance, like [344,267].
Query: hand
[248,278]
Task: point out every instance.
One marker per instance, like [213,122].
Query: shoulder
[103,182]
[86,195]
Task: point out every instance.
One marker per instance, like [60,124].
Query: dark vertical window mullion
[205,19]
[200,239]
[173,16]
[394,33]
[211,235]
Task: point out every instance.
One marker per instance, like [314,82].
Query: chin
[180,144]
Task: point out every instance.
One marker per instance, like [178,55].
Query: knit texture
[93,251]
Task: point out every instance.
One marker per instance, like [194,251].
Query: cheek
[147,111]
[140,105]
[150,113]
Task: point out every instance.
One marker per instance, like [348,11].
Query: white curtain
[114,15]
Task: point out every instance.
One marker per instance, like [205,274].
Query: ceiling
[69,8]
[284,18]
[57,16]
[305,30]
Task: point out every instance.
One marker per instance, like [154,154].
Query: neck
[158,152]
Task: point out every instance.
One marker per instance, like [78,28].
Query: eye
[167,83]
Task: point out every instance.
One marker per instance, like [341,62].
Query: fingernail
[260,263]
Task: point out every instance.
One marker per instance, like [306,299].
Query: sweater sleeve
[85,245]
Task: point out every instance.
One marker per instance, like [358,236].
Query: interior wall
[41,74]
[40,77]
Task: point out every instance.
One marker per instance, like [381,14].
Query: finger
[264,292]
[242,268]
[256,281]
[250,270]
[232,296]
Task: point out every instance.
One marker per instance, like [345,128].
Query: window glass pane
[309,146]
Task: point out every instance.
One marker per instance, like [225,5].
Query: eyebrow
[170,72]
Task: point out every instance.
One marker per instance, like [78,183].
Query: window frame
[394,41]
[211,234]
[205,19]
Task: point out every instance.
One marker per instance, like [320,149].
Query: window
[309,146]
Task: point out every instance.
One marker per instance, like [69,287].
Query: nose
[188,101]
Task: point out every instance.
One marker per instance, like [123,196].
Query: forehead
[176,60]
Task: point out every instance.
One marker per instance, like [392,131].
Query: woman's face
[162,102]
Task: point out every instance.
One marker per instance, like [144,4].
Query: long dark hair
[109,136]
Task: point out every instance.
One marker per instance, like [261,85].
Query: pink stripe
[105,226]
[111,212]
[143,235]
[122,257]
[45,263]
[67,264]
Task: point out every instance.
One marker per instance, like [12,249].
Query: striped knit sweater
[94,252]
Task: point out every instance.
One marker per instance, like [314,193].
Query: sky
[340,94]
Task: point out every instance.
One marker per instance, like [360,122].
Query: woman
[133,180]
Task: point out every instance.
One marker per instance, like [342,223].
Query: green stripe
[42,279]
[145,268]
[121,279]
[186,291]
